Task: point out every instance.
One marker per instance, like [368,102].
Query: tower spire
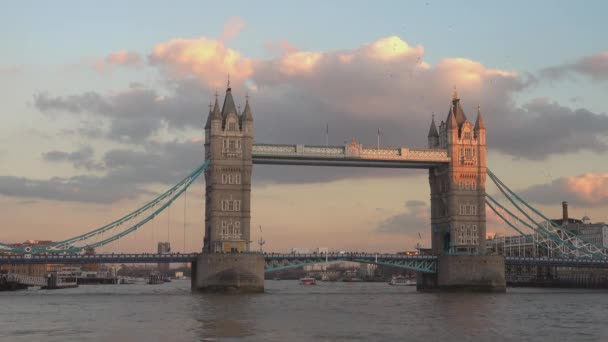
[452,124]
[433,129]
[247,116]
[216,109]
[229,106]
[208,124]
[479,122]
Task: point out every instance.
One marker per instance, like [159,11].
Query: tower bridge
[455,157]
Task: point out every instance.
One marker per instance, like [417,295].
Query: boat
[307,281]
[155,279]
[402,281]
[352,280]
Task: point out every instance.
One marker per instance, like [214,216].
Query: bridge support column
[228,272]
[483,273]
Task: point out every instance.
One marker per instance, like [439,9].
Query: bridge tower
[458,218]
[228,141]
[225,263]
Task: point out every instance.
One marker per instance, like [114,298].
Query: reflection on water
[288,311]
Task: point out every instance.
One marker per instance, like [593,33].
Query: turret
[208,123]
[452,127]
[247,118]
[216,117]
[433,135]
[457,109]
[229,112]
[480,128]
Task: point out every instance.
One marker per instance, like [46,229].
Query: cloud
[384,84]
[595,67]
[415,219]
[207,60]
[133,114]
[119,58]
[78,189]
[589,189]
[10,70]
[128,173]
[232,28]
[541,128]
[82,158]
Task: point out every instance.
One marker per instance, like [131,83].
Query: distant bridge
[281,261]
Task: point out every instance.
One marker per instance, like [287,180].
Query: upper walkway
[353,154]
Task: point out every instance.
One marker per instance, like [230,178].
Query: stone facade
[466,273]
[228,272]
[228,143]
[458,189]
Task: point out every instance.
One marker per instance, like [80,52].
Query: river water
[292,312]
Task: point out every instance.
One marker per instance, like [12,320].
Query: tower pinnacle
[479,122]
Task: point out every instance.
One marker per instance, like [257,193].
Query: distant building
[527,245]
[596,233]
[297,250]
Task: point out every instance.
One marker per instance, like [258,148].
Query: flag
[327,129]
[419,236]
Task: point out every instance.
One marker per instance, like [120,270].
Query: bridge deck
[274,260]
[353,155]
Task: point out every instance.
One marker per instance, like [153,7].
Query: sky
[103,105]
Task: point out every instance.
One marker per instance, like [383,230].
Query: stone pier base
[484,273]
[228,272]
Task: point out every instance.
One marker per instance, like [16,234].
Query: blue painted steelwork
[559,262]
[426,264]
[274,262]
[53,258]
[568,243]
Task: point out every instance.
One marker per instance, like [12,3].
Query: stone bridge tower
[458,190]
[228,142]
[223,267]
[458,218]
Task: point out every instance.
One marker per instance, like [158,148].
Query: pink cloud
[118,58]
[232,28]
[206,59]
[589,188]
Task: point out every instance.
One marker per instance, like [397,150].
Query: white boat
[402,281]
[307,281]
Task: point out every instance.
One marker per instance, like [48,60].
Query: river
[292,312]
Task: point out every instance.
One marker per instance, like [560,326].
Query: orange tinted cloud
[207,59]
[118,58]
[590,187]
[232,28]
[391,47]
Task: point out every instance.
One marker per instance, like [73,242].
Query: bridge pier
[476,273]
[228,272]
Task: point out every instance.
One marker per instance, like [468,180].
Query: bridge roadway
[278,261]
